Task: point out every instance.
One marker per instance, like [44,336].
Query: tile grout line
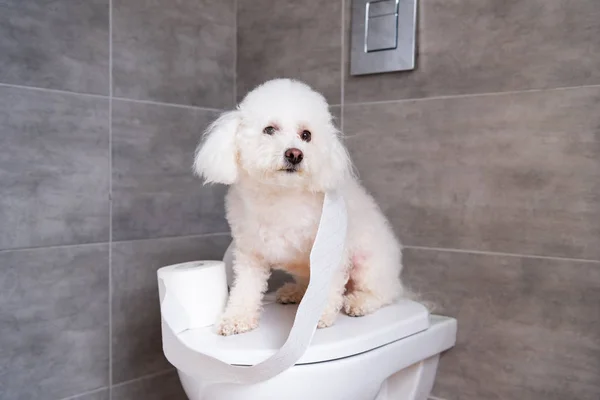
[199,235]
[107,97]
[160,103]
[498,253]
[51,247]
[110,197]
[235,50]
[141,378]
[59,246]
[469,95]
[342,55]
[215,234]
[124,383]
[75,397]
[350,104]
[56,91]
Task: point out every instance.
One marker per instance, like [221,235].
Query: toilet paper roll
[193,294]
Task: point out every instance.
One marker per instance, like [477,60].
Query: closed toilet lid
[347,337]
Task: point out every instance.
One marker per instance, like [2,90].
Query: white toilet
[391,354]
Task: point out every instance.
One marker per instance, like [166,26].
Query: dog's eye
[269,130]
[305,135]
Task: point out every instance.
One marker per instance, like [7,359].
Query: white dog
[280,152]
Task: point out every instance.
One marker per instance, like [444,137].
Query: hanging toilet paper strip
[325,259]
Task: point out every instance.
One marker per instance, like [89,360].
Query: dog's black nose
[294,156]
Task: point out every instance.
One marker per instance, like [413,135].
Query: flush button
[381,7]
[382,36]
[381,25]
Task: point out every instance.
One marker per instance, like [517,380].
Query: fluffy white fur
[274,213]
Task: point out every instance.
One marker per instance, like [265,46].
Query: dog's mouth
[290,169]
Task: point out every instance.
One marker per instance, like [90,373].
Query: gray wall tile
[527,328]
[290,39]
[53,168]
[53,321]
[162,387]
[336,111]
[61,44]
[136,341]
[176,52]
[278,278]
[155,192]
[511,173]
[477,46]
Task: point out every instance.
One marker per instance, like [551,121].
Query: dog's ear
[216,156]
[336,167]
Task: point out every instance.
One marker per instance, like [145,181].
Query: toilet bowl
[391,354]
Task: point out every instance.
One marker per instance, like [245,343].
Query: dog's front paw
[236,324]
[327,320]
[290,293]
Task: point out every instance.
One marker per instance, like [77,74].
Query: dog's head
[280,134]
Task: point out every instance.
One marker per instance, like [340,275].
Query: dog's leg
[243,307]
[292,292]
[336,298]
[374,282]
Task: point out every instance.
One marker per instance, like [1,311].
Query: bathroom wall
[486,159]
[101,105]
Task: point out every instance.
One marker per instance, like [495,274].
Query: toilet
[391,354]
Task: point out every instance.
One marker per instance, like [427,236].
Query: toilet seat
[401,370]
[347,337]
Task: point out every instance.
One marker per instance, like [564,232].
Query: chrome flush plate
[383,36]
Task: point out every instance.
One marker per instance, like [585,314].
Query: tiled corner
[298,39]
[161,387]
[58,45]
[479,46]
[155,192]
[517,173]
[527,327]
[136,340]
[53,168]
[176,52]
[53,322]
